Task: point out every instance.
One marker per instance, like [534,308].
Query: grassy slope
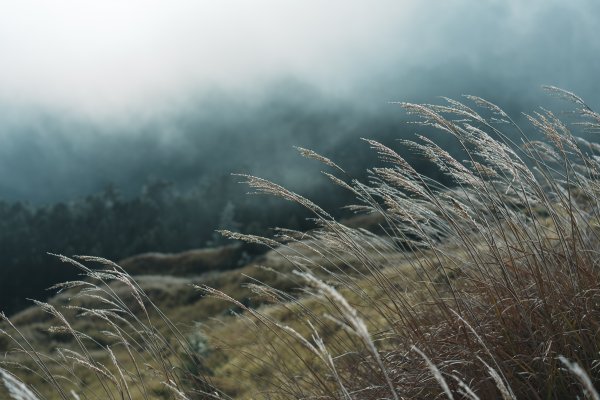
[231,345]
[498,291]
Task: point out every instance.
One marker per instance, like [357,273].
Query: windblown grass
[487,287]
[507,256]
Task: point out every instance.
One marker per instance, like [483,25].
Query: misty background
[121,122]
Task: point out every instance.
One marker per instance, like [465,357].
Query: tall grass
[505,259]
[486,287]
[156,358]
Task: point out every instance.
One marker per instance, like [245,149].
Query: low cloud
[92,93]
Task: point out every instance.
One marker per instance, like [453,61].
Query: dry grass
[184,263]
[485,288]
[507,257]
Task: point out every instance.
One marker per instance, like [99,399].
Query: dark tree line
[160,218]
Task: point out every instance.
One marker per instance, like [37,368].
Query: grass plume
[485,286]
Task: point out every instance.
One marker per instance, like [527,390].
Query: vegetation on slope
[485,288]
[160,219]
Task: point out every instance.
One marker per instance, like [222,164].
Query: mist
[122,93]
[122,122]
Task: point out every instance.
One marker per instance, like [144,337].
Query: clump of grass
[141,353]
[484,287]
[504,258]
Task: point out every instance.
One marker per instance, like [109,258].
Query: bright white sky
[107,55]
[114,53]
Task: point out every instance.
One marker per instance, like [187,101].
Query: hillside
[169,280]
[486,288]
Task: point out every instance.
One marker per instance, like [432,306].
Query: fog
[93,93]
[103,103]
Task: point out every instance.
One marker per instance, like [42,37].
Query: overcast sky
[80,67]
[114,55]
[109,55]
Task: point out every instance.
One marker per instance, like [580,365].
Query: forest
[159,219]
